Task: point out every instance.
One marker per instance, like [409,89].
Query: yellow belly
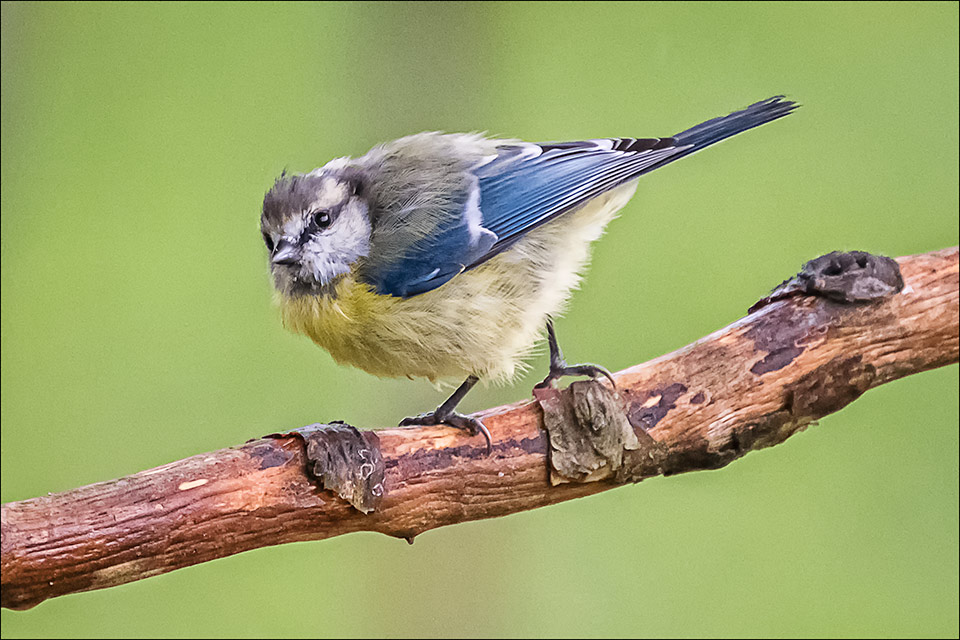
[482,322]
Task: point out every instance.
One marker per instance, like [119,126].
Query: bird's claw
[593,370]
[471,425]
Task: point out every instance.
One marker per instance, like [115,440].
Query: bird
[445,256]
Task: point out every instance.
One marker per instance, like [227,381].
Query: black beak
[285,253]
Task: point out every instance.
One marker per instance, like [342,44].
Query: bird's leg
[560,368]
[445,414]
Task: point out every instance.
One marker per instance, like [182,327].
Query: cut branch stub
[344,460]
[852,276]
[588,430]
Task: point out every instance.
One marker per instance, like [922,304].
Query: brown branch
[747,386]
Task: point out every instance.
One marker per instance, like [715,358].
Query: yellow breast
[450,332]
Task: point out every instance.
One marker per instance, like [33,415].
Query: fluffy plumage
[442,255]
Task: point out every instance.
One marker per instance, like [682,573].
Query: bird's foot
[559,367]
[452,418]
[562,369]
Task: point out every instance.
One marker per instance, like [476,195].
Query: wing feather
[508,193]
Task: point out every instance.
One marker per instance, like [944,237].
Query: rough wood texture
[747,386]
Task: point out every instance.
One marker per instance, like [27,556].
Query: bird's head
[315,226]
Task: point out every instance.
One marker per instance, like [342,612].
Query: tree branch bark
[750,385]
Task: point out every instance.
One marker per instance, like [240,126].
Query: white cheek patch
[333,252]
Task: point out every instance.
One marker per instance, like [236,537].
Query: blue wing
[526,185]
[432,259]
[522,189]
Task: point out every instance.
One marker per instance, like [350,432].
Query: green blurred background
[137,325]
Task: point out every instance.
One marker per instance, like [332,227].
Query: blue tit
[445,255]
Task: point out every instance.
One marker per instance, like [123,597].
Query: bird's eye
[267,240]
[322,219]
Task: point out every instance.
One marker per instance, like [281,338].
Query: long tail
[712,131]
[715,130]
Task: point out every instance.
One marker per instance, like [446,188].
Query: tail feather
[712,131]
[715,130]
